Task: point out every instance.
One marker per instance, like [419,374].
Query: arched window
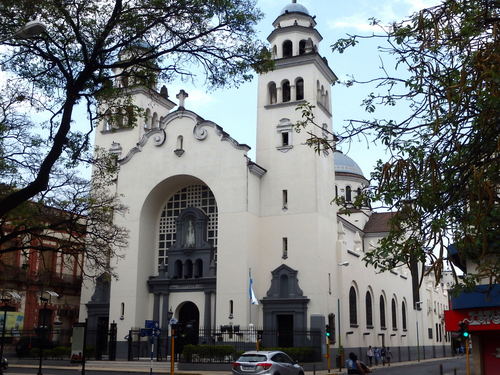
[299,89]
[382,312]
[287,48]
[147,119]
[302,47]
[348,194]
[154,121]
[336,191]
[180,142]
[353,309]
[272,92]
[188,269]
[199,196]
[369,311]
[178,269]
[403,315]
[394,314]
[285,90]
[327,100]
[275,52]
[198,268]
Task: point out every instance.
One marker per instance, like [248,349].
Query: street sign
[146,332]
[153,324]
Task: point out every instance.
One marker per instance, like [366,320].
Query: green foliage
[209,353]
[442,177]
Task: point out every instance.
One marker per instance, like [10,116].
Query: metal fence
[224,345]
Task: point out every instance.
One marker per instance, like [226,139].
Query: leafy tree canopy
[87,43]
[442,177]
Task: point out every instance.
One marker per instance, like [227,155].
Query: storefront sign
[478,319]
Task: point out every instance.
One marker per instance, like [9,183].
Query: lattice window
[198,196]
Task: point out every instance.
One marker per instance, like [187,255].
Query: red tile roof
[379,222]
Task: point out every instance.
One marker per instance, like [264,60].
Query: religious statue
[190,238]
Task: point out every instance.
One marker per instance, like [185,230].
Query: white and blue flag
[253,298]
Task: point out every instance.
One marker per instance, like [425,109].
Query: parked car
[5,363]
[266,363]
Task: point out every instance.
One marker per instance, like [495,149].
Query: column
[156,307]
[208,311]
[164,315]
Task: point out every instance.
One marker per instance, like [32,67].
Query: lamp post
[5,301]
[43,329]
[341,350]
[417,305]
[41,332]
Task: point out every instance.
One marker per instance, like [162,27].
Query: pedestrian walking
[376,353]
[388,356]
[369,354]
[383,352]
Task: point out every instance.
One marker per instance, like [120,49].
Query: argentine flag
[253,298]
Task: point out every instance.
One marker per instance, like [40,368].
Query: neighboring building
[202,216]
[41,287]
[480,310]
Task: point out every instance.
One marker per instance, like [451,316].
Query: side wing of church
[204,220]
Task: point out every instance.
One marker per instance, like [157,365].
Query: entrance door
[285,330]
[189,323]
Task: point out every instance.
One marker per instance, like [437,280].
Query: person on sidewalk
[369,354]
[383,352]
[376,353]
[353,365]
[388,356]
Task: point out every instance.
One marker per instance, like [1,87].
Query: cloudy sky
[235,109]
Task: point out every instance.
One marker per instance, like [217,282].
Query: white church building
[202,216]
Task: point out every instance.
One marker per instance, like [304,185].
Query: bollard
[454,371]
[440,369]
[314,369]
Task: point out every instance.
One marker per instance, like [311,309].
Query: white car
[266,363]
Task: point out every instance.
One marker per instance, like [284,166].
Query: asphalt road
[426,368]
[453,366]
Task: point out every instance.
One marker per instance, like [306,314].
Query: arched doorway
[189,322]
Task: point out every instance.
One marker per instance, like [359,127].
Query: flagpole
[250,292]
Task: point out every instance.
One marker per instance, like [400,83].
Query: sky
[235,109]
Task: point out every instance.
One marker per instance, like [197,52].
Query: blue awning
[481,296]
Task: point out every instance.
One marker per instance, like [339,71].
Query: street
[451,366]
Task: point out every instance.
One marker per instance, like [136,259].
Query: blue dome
[294,8]
[344,163]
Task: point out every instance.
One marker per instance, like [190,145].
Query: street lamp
[5,301]
[30,30]
[418,307]
[341,264]
[43,328]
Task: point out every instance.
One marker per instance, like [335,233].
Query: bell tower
[298,221]
[300,75]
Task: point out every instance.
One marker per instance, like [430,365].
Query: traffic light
[463,331]
[327,331]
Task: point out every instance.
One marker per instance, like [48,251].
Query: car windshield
[252,358]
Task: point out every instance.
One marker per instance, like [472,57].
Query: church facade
[204,219]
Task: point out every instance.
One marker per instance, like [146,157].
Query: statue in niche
[189,237]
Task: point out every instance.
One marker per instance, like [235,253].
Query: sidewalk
[143,366]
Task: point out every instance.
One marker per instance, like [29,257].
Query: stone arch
[299,88]
[285,91]
[272,93]
[302,46]
[287,48]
